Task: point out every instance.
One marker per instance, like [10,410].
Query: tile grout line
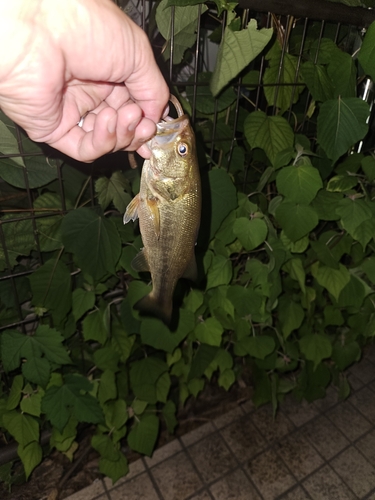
[152,479]
[107,492]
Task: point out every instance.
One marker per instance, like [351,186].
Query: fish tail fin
[150,305]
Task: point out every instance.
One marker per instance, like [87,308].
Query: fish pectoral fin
[191,271]
[152,205]
[131,212]
[139,263]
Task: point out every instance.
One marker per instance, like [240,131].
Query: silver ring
[82,119]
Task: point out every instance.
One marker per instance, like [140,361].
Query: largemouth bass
[168,207]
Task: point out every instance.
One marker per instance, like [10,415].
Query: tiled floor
[319,451]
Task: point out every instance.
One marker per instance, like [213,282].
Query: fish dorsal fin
[139,263]
[131,212]
[191,271]
[152,205]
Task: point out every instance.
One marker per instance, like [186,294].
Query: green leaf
[21,426]
[142,437]
[342,72]
[273,134]
[19,238]
[227,379]
[353,212]
[31,455]
[114,469]
[366,55]
[107,387]
[334,280]
[368,166]
[209,332]
[205,102]
[37,370]
[291,315]
[299,184]
[163,386]
[82,301]
[341,123]
[93,240]
[297,220]
[169,414]
[51,288]
[346,354]
[251,233]
[204,355]
[50,342]
[60,402]
[62,441]
[115,413]
[156,334]
[106,358]
[317,81]
[325,204]
[245,300]
[297,272]
[15,393]
[31,403]
[236,51]
[281,79]
[49,226]
[341,183]
[223,198]
[258,346]
[316,347]
[143,378]
[219,272]
[185,25]
[94,328]
[104,445]
[9,144]
[113,190]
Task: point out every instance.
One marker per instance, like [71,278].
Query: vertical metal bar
[261,69]
[171,45]
[196,65]
[298,66]
[281,64]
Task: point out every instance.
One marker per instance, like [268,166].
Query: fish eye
[182,149]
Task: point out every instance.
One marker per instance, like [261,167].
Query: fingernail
[166,111]
[111,125]
[133,125]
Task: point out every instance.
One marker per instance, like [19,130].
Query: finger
[87,146]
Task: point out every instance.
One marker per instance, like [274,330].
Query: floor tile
[212,457]
[372,496]
[364,401]
[364,370]
[235,486]
[366,445]
[176,477]
[139,488]
[197,434]
[325,484]
[135,468]
[296,494]
[354,382]
[355,470]
[248,406]
[346,418]
[299,412]
[95,489]
[164,452]
[243,438]
[270,475]
[228,418]
[369,353]
[325,437]
[271,428]
[203,495]
[299,455]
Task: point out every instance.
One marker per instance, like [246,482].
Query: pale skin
[61,60]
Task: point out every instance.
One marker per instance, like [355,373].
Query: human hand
[76,57]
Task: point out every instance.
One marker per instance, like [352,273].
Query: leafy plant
[286,253]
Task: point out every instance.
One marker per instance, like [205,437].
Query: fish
[168,207]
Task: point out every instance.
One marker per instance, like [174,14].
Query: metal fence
[17,212]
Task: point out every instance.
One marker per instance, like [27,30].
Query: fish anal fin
[149,305]
[140,263]
[191,271]
[152,205]
[131,212]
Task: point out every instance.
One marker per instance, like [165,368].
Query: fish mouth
[167,131]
